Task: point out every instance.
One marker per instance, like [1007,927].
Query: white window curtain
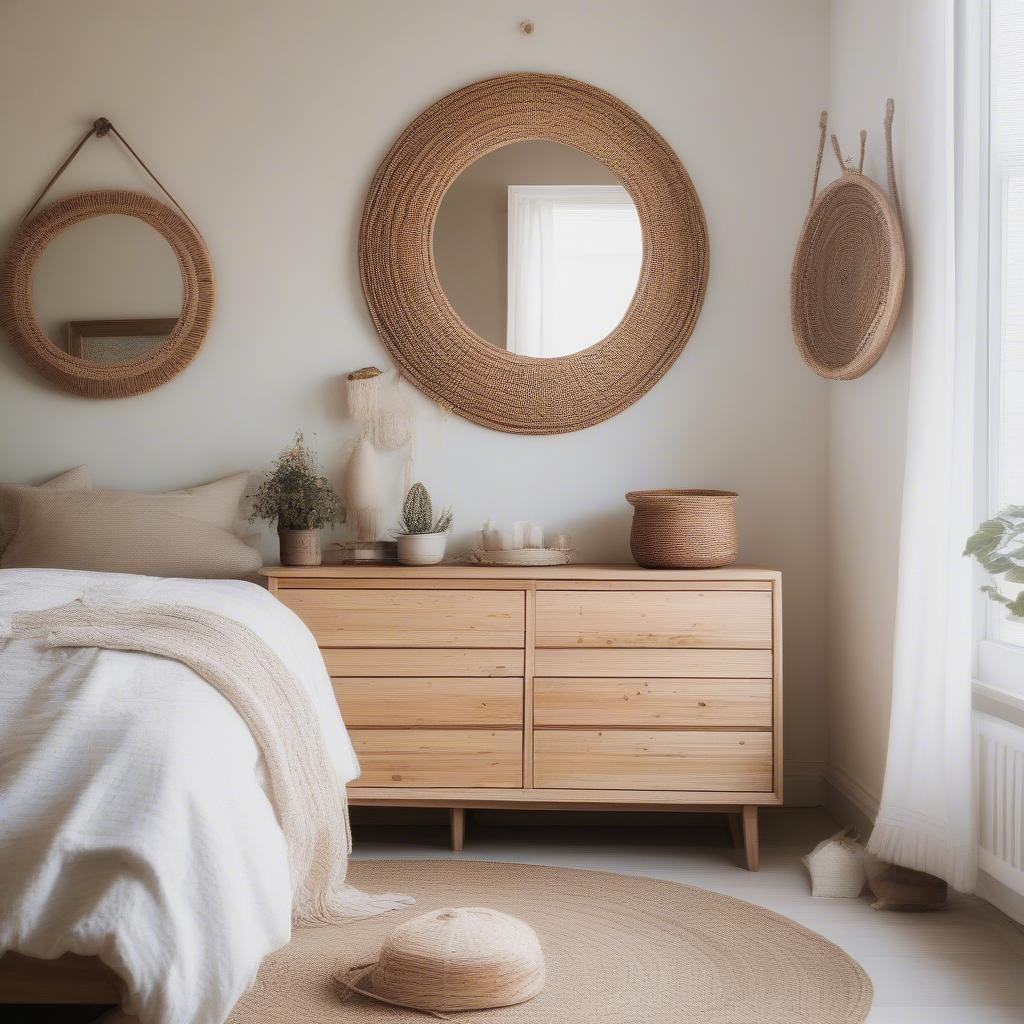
[574,254]
[927,818]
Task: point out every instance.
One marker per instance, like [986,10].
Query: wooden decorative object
[554,687]
[424,334]
[848,272]
[107,380]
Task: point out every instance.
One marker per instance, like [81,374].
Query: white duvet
[134,821]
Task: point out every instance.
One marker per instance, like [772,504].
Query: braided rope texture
[107,380]
[436,350]
[617,950]
[847,279]
[683,529]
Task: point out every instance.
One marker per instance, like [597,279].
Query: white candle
[489,536]
[517,535]
[534,535]
[507,540]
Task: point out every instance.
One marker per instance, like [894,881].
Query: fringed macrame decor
[380,404]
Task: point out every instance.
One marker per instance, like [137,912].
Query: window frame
[999,665]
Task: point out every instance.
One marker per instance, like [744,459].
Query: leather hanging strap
[101,127]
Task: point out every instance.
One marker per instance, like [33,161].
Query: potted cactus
[421,538]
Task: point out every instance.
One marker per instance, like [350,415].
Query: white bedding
[134,821]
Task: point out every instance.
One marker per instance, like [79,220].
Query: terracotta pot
[299,547]
[421,548]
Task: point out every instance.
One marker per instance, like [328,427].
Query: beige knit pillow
[180,533]
[77,479]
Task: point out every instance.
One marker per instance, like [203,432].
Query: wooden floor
[962,965]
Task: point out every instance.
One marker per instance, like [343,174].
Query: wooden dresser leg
[735,829]
[457,826]
[750,841]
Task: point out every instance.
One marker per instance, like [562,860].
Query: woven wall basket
[847,279]
[431,344]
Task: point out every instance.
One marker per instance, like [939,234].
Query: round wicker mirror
[434,347]
[128,355]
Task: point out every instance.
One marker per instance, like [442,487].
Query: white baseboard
[848,801]
[1008,900]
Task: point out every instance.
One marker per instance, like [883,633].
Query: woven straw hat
[455,958]
[847,281]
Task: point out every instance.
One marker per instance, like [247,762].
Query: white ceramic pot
[421,548]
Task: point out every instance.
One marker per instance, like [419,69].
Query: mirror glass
[538,247]
[108,289]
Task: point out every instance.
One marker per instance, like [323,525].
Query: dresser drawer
[416,702]
[423,661]
[673,618]
[443,758]
[411,618]
[641,663]
[635,703]
[608,759]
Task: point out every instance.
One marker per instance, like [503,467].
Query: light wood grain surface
[636,759]
[411,618]
[661,619]
[417,702]
[652,702]
[348,661]
[645,663]
[481,758]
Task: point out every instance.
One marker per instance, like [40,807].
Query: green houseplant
[300,500]
[422,538]
[998,546]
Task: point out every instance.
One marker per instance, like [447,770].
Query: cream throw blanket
[311,806]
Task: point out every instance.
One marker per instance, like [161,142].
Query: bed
[138,843]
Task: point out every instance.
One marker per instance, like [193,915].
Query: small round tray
[521,556]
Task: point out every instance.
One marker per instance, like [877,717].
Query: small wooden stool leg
[457,827]
[750,841]
[735,830]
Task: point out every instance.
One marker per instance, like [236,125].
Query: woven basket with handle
[689,529]
[847,280]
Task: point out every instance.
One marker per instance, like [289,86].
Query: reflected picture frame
[116,341]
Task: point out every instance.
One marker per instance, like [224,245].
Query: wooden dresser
[571,687]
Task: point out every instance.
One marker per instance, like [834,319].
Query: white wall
[267,119]
[867,438]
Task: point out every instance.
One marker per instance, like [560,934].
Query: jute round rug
[618,949]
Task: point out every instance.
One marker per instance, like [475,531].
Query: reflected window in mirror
[574,255]
[538,247]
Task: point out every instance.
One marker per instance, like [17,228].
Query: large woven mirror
[107,293]
[533,254]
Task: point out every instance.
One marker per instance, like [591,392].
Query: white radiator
[999,748]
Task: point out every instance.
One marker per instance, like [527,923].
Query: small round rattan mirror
[490,382]
[83,340]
